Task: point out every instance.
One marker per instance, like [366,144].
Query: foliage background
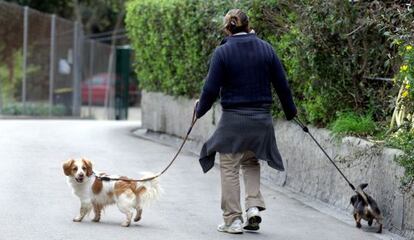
[331,50]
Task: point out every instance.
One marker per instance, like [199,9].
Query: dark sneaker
[253,219]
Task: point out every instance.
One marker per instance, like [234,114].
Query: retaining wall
[308,171]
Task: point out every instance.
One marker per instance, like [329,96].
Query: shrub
[330,50]
[344,46]
[33,109]
[11,76]
[402,122]
[351,123]
[404,140]
[404,105]
[173,41]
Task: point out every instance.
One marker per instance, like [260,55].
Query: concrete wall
[308,171]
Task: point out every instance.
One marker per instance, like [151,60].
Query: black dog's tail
[360,191]
[369,201]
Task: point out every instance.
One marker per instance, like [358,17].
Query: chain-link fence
[48,67]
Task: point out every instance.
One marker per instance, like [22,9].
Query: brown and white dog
[95,194]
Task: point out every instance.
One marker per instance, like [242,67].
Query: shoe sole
[253,223]
[231,232]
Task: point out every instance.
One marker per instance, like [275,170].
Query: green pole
[123,68]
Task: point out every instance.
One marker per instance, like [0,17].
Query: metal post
[52,61]
[91,71]
[81,64]
[24,79]
[108,91]
[75,67]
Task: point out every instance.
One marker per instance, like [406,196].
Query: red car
[99,84]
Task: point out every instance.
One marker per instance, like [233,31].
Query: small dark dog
[365,208]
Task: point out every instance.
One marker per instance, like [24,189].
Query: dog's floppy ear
[363,186]
[88,165]
[67,166]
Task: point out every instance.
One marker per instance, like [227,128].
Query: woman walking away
[242,70]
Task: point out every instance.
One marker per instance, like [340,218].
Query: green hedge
[329,49]
[173,40]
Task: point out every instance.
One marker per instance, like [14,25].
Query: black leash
[306,129]
[193,121]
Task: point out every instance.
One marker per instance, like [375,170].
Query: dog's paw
[370,222]
[77,219]
[136,219]
[96,220]
[358,225]
[380,229]
[126,224]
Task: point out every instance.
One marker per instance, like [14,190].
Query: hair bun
[236,21]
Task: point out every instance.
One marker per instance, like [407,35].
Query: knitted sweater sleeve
[281,86]
[212,85]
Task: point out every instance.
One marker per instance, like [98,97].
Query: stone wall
[308,171]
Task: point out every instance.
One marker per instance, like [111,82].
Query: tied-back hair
[236,21]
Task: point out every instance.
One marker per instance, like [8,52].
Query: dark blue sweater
[241,71]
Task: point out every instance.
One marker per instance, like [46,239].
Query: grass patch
[353,124]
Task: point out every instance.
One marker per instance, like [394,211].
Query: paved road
[36,203]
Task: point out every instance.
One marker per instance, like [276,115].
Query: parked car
[99,84]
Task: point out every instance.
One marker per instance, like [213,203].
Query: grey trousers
[230,165]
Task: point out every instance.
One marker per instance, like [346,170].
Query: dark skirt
[241,130]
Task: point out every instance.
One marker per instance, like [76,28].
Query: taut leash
[193,121]
[306,129]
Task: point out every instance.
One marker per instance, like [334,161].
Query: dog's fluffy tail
[359,190]
[152,190]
